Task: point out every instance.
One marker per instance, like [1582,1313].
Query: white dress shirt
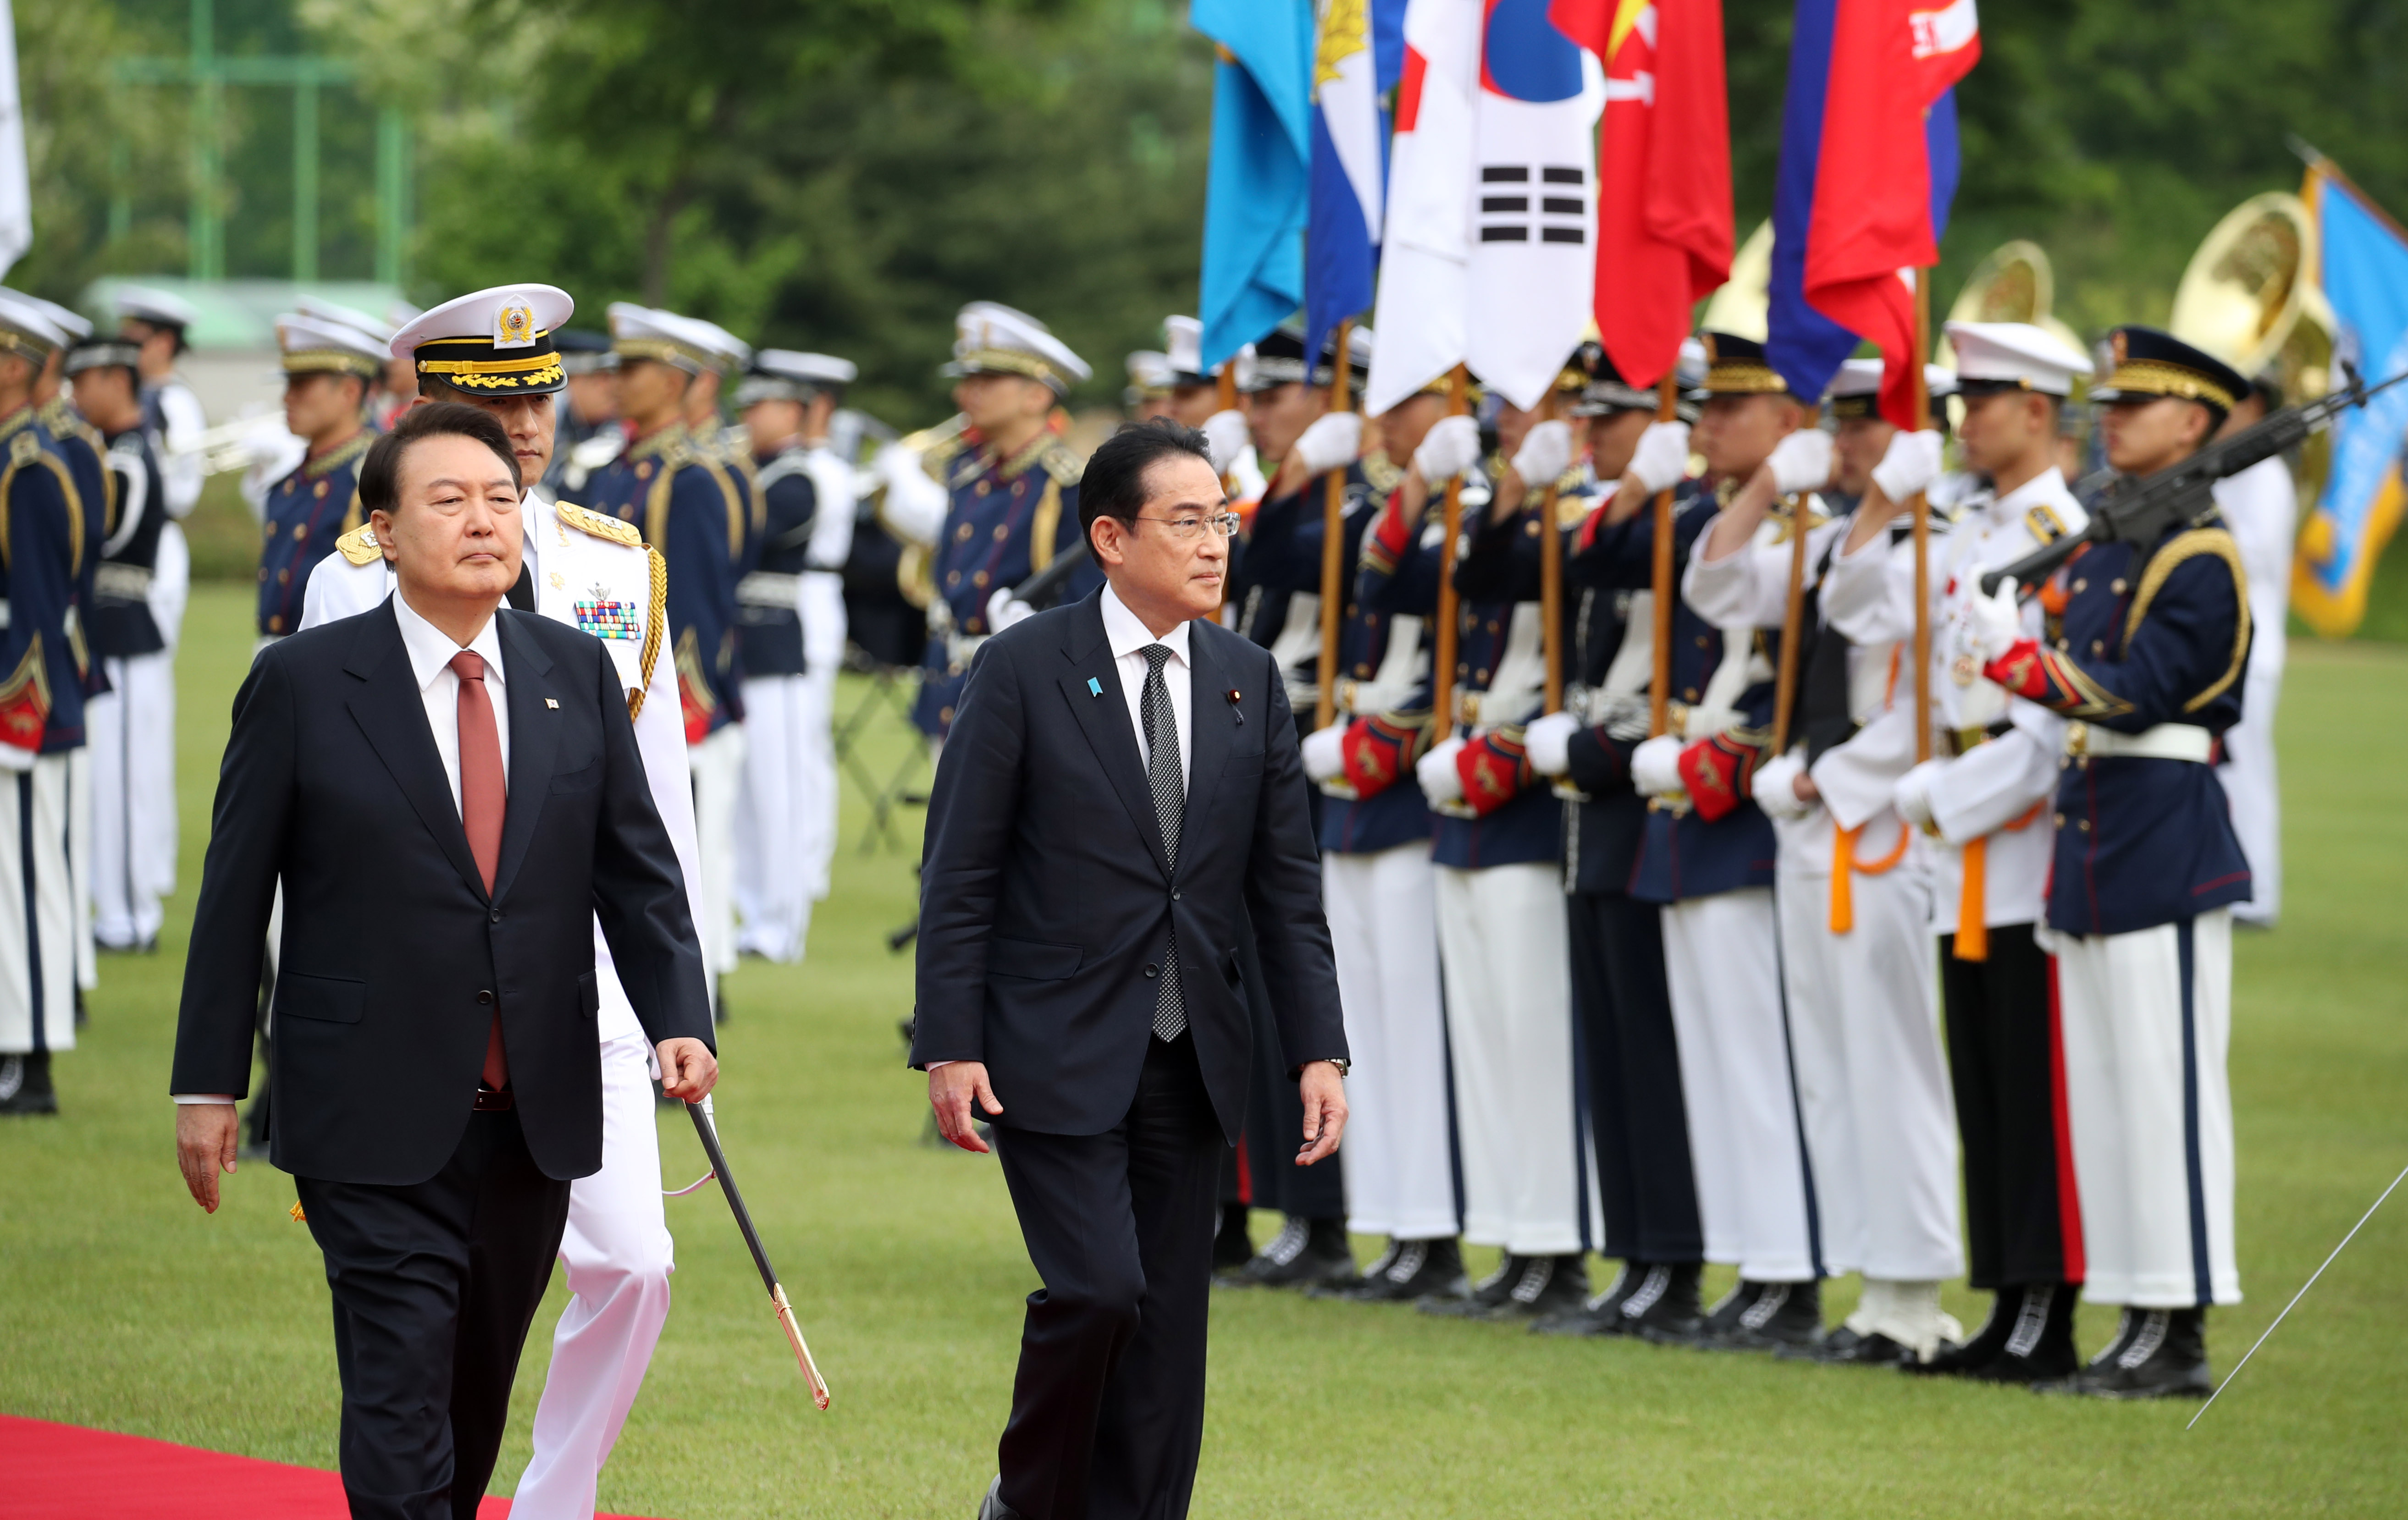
[430,660]
[1127,636]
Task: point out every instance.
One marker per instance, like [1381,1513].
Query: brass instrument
[2250,297]
[2016,283]
[1739,306]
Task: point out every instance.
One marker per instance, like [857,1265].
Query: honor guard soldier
[713,434]
[492,350]
[1148,393]
[1981,807]
[41,716]
[689,505]
[328,368]
[2143,652]
[1195,402]
[1380,890]
[790,615]
[1853,894]
[1275,581]
[1496,840]
[130,726]
[586,433]
[1011,491]
[157,322]
[1708,855]
[1636,1124]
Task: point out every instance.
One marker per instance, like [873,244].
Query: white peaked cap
[2017,352]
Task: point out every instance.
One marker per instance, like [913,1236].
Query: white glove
[1998,622]
[1325,752]
[1003,610]
[1656,766]
[1334,441]
[1226,434]
[1912,464]
[1802,461]
[915,501]
[1450,447]
[1544,454]
[1440,782]
[1548,740]
[1912,796]
[1776,787]
[1662,456]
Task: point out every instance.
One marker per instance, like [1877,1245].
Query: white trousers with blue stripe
[2147,1019]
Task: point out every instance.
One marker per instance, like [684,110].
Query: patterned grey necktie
[1169,809]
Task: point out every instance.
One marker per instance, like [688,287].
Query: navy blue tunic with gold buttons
[689,506]
[306,512]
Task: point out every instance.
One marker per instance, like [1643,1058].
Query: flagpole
[1920,508]
[1551,577]
[1660,689]
[1784,697]
[1458,401]
[1333,542]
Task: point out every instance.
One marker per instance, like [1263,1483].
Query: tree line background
[844,174]
[841,174]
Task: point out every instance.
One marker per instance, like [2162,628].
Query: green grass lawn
[128,1308]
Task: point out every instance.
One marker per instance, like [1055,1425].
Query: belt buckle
[2077,740]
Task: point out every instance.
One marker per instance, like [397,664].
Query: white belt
[4,612]
[959,647]
[2166,741]
[767,588]
[130,581]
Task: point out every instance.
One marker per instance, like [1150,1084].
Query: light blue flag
[2365,277]
[1350,164]
[1259,189]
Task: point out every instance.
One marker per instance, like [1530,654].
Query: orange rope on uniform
[1973,897]
[1845,868]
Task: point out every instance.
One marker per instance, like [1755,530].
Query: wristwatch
[1342,1063]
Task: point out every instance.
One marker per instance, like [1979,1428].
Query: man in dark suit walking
[1121,790]
[451,794]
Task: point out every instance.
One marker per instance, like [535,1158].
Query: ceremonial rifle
[2143,511]
[700,1112]
[1049,581]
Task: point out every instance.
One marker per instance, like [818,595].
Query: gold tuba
[2250,297]
[1739,307]
[2014,283]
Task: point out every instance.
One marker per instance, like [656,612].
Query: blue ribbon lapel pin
[1094,687]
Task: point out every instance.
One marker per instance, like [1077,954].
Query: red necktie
[484,796]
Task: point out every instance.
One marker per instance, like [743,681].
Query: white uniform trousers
[2253,788]
[1399,1178]
[171,587]
[37,917]
[1872,1084]
[717,766]
[131,736]
[772,841]
[2147,1019]
[1723,968]
[618,1257]
[87,959]
[823,640]
[1507,957]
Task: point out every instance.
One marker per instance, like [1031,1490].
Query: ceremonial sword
[700,1112]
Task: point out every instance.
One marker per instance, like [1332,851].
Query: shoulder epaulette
[2044,525]
[1380,473]
[1064,465]
[361,546]
[598,526]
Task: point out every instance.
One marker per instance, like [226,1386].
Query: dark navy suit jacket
[1046,897]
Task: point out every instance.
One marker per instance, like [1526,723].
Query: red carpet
[66,1472]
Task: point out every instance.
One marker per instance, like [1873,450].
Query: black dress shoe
[1304,1253]
[1663,1305]
[1548,1285]
[1783,1315]
[1482,1297]
[993,1507]
[25,1085]
[1601,1315]
[1407,1270]
[1232,1247]
[2039,1346]
[2162,1353]
[1845,1347]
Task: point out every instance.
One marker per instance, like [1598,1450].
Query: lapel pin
[552,701]
[1235,710]
[1094,687]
